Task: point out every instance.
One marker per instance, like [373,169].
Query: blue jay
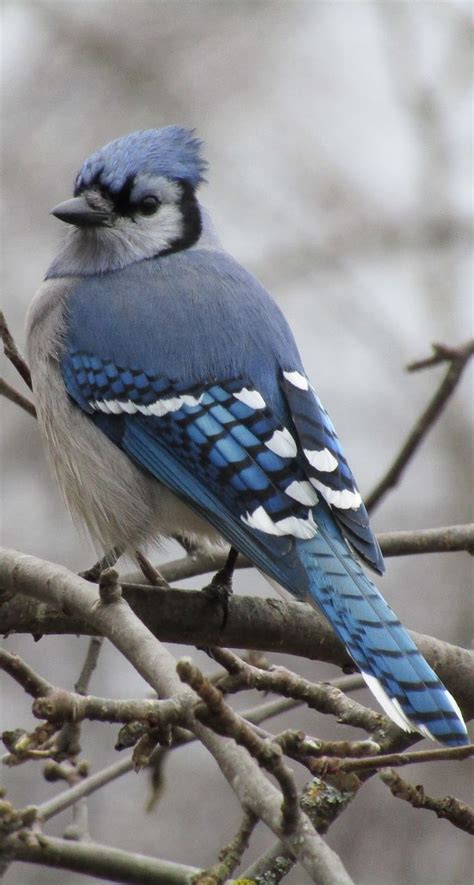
[172,397]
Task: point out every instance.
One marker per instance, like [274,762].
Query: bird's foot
[219,592]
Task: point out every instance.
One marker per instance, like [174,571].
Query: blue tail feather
[396,672]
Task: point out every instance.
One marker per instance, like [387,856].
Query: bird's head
[133,199]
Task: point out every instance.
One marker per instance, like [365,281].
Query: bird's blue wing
[216,445]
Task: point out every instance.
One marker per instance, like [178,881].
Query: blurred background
[339,141]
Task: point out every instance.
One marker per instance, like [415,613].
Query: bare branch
[66,706]
[16,397]
[442,353]
[218,715]
[89,785]
[58,587]
[398,759]
[100,861]
[458,359]
[449,808]
[90,663]
[317,696]
[230,856]
[298,744]
[272,866]
[447,539]
[186,616]
[33,684]
[12,353]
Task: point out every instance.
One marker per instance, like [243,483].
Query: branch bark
[12,353]
[449,808]
[187,617]
[90,858]
[58,587]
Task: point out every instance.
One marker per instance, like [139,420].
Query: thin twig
[442,353]
[230,856]
[89,785]
[319,696]
[34,684]
[397,759]
[449,808]
[446,539]
[90,663]
[12,353]
[458,359]
[14,395]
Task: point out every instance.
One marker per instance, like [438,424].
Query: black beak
[78,211]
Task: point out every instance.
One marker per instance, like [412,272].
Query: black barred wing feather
[327,467]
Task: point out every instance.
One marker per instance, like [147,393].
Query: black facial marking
[192,223]
[121,198]
[122,205]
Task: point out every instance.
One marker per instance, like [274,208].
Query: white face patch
[302,491]
[125,240]
[251,398]
[159,408]
[323,460]
[292,525]
[282,443]
[345,499]
[297,380]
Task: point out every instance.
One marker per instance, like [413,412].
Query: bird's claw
[219,592]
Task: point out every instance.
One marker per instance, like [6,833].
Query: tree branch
[186,616]
[12,353]
[58,587]
[369,763]
[317,696]
[449,808]
[14,395]
[230,855]
[66,706]
[33,684]
[215,713]
[458,359]
[100,861]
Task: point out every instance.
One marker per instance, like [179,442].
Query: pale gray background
[339,140]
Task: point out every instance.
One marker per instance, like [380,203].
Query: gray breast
[117,503]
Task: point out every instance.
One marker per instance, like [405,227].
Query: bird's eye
[149,205]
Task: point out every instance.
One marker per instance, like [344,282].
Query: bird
[172,398]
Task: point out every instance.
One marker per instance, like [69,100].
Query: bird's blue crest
[173,151]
